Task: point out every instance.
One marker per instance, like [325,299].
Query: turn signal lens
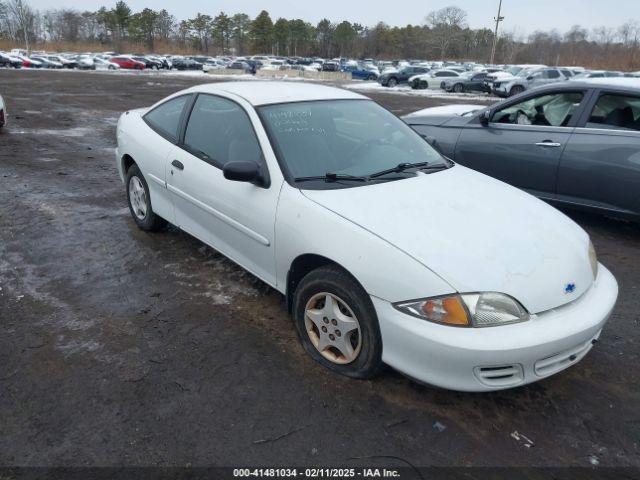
[445,310]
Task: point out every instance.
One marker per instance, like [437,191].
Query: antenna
[498,19]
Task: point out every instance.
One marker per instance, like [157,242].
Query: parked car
[186,63]
[9,61]
[572,143]
[65,61]
[149,63]
[128,63]
[360,73]
[102,64]
[3,113]
[330,67]
[28,62]
[393,78]
[433,79]
[509,74]
[371,243]
[85,62]
[467,82]
[527,79]
[241,66]
[47,62]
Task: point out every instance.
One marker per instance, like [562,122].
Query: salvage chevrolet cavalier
[385,250]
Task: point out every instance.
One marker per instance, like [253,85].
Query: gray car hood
[438,116]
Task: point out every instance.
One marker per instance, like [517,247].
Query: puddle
[67,132]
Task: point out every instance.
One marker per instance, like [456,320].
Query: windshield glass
[514,70]
[348,137]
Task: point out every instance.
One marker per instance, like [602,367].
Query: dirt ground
[119,347]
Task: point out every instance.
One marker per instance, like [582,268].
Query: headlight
[593,258]
[487,309]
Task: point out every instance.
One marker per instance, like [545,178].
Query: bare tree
[446,25]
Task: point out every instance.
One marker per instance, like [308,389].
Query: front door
[235,218]
[523,141]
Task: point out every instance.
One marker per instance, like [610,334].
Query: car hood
[500,76]
[438,116]
[475,232]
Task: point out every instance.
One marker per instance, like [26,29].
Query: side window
[552,74]
[617,112]
[547,110]
[165,118]
[479,77]
[220,131]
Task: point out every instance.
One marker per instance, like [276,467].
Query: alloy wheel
[333,328]
[137,198]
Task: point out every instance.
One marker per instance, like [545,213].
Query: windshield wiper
[331,177]
[399,168]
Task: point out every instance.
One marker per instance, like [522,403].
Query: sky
[521,16]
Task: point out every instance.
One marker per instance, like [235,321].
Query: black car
[396,77]
[9,62]
[241,65]
[149,62]
[572,143]
[330,67]
[467,82]
[186,63]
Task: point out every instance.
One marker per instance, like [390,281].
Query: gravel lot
[119,347]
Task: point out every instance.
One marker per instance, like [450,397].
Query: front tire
[516,90]
[458,88]
[140,202]
[392,83]
[337,323]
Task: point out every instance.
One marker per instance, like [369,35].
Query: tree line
[444,34]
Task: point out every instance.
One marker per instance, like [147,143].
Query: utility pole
[498,19]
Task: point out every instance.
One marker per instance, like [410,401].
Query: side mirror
[249,172]
[485,118]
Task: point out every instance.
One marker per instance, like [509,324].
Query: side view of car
[128,63]
[331,213]
[360,73]
[528,79]
[473,81]
[433,79]
[572,143]
[393,78]
[9,61]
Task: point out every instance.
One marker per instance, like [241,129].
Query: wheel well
[301,266]
[127,161]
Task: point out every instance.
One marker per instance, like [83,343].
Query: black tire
[371,78]
[516,90]
[151,222]
[392,82]
[458,88]
[422,85]
[336,281]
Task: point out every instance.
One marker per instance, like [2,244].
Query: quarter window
[165,118]
[548,110]
[219,131]
[616,112]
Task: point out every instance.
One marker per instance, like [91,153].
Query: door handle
[178,165]
[549,143]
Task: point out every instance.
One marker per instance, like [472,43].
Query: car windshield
[343,137]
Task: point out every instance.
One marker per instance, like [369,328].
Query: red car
[128,62]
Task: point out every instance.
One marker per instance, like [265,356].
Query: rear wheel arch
[303,265]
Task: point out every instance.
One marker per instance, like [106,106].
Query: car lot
[121,347]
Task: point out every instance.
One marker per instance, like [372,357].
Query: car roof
[618,83]
[267,92]
[625,82]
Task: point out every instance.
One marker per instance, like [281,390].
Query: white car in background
[103,64]
[432,79]
[385,250]
[3,113]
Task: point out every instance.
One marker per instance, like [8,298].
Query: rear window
[165,118]
[617,112]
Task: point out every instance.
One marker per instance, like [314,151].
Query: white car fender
[305,227]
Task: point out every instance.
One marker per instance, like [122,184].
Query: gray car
[570,143]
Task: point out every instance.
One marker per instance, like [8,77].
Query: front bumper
[494,358]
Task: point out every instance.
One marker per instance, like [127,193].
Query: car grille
[500,376]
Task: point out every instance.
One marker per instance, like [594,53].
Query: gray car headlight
[488,309]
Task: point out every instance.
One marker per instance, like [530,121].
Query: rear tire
[139,201]
[364,357]
[458,88]
[392,82]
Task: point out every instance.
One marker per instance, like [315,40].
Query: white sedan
[385,250]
